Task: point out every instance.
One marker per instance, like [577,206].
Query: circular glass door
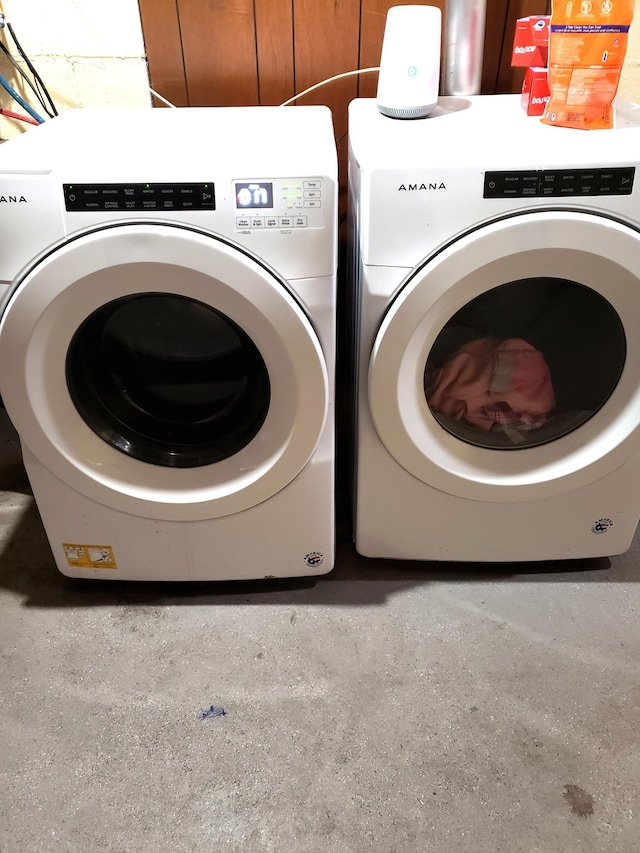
[517,336]
[168,380]
[525,363]
[163,371]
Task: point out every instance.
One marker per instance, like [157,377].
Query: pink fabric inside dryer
[493,383]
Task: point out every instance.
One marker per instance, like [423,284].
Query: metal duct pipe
[463,47]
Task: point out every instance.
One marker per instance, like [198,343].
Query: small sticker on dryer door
[602,525]
[89,556]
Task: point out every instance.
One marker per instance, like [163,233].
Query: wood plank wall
[234,52]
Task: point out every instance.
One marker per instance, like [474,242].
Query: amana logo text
[418,187]
[12,199]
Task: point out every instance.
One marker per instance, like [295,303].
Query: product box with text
[531,41]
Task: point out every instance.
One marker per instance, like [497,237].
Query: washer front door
[508,365]
[162,371]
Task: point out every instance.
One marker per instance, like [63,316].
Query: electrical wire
[19,116]
[329,80]
[29,65]
[16,97]
[37,86]
[26,79]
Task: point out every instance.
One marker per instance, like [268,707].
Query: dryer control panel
[559,182]
[278,204]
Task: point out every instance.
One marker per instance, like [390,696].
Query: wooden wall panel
[263,51]
[326,42]
[274,45]
[494,35]
[219,46]
[373,19]
[163,44]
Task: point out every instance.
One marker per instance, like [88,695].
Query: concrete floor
[385,707]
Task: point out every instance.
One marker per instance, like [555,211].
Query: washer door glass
[168,380]
[525,363]
[165,372]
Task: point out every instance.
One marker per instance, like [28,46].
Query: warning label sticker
[89,556]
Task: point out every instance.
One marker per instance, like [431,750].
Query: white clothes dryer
[496,270]
[167,338]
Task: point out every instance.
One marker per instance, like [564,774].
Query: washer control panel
[559,182]
[92,197]
[278,203]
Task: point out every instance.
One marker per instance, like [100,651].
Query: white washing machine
[167,339]
[496,269]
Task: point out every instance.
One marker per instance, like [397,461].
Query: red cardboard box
[531,41]
[535,91]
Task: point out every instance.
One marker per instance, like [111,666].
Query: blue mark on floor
[213,711]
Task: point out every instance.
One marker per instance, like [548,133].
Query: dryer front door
[508,366]
[162,371]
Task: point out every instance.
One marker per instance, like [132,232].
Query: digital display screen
[254,195]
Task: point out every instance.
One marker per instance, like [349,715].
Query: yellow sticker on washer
[90,556]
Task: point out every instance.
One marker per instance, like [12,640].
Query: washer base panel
[289,535]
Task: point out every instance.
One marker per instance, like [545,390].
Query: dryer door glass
[525,363]
[168,380]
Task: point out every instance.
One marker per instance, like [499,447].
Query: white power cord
[300,94]
[329,80]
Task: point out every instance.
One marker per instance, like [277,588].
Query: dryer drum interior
[525,363]
[168,380]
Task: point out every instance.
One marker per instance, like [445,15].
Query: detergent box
[531,41]
[535,91]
